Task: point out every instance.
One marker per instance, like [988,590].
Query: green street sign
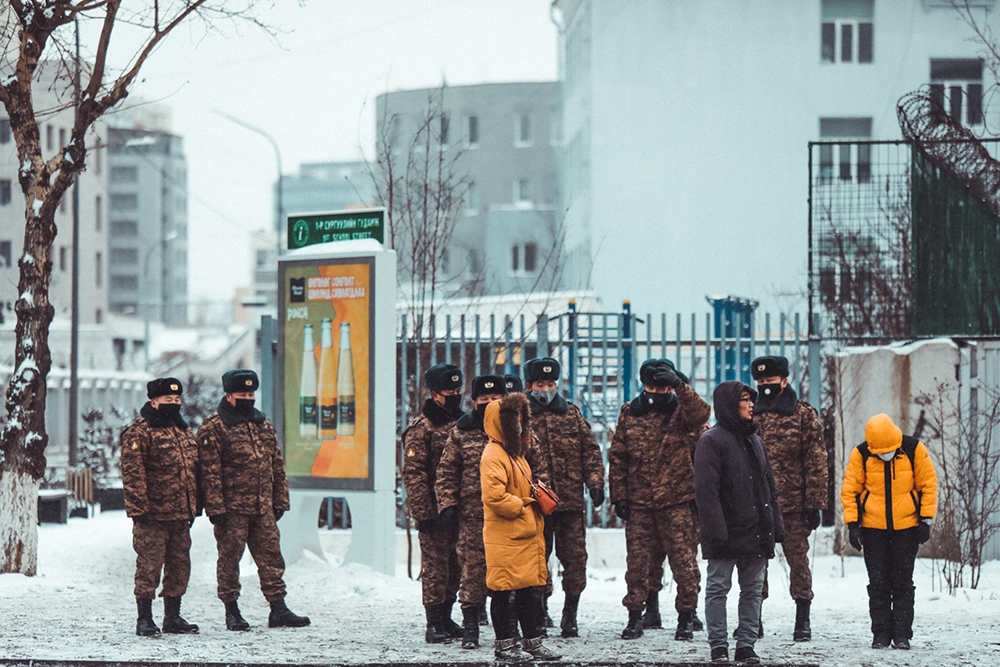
[306,230]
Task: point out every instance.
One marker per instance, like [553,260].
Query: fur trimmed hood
[508,423]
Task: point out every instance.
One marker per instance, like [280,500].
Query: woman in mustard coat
[512,532]
[890,498]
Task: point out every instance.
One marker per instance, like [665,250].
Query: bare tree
[38,37]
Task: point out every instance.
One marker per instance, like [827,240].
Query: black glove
[597,495]
[854,535]
[219,519]
[812,518]
[278,514]
[427,526]
[668,376]
[622,510]
[923,531]
[140,520]
[449,518]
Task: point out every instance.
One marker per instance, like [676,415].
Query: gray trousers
[719,579]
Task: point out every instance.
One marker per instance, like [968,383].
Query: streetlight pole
[74,327]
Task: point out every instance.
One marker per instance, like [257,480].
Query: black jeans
[889,557]
[527,607]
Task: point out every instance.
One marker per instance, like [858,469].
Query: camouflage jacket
[793,437]
[159,460]
[567,457]
[651,458]
[458,481]
[241,467]
[423,443]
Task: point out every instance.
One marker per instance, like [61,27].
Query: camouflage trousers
[259,533]
[796,550]
[671,528]
[472,559]
[161,545]
[440,574]
[566,535]
[657,555]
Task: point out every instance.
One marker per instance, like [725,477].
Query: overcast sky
[314,91]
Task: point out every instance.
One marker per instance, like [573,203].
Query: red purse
[545,497]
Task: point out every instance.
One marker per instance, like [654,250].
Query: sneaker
[720,654]
[902,643]
[746,655]
[881,641]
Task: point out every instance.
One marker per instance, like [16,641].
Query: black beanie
[239,381]
[648,370]
[164,387]
[443,377]
[541,370]
[765,367]
[488,384]
[513,383]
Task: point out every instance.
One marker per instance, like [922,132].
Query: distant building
[148,217]
[508,238]
[321,187]
[686,124]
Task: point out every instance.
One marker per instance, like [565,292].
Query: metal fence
[600,354]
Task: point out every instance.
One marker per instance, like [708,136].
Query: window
[120,256]
[5,262]
[846,34]
[5,131]
[555,128]
[853,159]
[957,88]
[49,137]
[98,212]
[124,202]
[524,259]
[126,283]
[472,130]
[62,138]
[124,228]
[522,192]
[97,270]
[445,121]
[4,192]
[124,174]
[525,131]
[97,316]
[472,199]
[62,258]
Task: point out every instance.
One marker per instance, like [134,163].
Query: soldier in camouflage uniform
[245,493]
[567,458]
[793,437]
[651,481]
[460,500]
[159,460]
[423,443]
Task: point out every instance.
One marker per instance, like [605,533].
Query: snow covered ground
[80,607]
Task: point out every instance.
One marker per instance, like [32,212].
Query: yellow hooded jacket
[888,494]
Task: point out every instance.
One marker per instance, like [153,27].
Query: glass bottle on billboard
[327,390]
[307,387]
[345,383]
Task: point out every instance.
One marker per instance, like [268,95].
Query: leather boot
[435,634]
[568,622]
[282,617]
[685,625]
[172,621]
[453,629]
[537,651]
[802,631]
[634,628]
[651,618]
[470,627]
[696,623]
[484,618]
[509,651]
[234,620]
[144,625]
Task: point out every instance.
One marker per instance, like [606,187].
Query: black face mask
[453,403]
[169,410]
[769,392]
[244,405]
[481,411]
[657,402]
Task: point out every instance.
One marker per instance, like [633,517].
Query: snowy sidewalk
[80,608]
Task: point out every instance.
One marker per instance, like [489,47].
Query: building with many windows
[685,165]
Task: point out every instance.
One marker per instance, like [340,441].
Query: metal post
[508,360]
[478,348]
[694,344]
[738,348]
[708,357]
[663,335]
[677,346]
[649,336]
[493,340]
[522,346]
[604,362]
[781,322]
[626,355]
[418,371]
[432,339]
[403,393]
[447,339]
[798,355]
[268,368]
[461,344]
[752,339]
[541,337]
[571,334]
[815,381]
[767,334]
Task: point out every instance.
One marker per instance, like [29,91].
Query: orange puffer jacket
[893,494]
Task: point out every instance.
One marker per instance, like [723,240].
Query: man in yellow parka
[890,498]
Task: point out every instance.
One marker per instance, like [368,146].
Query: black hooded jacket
[734,487]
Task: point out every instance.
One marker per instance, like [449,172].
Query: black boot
[435,634]
[696,623]
[234,620]
[470,627]
[568,622]
[634,628]
[453,629]
[685,625]
[144,625]
[282,617]
[172,621]
[802,631]
[651,619]
[484,618]
[549,623]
